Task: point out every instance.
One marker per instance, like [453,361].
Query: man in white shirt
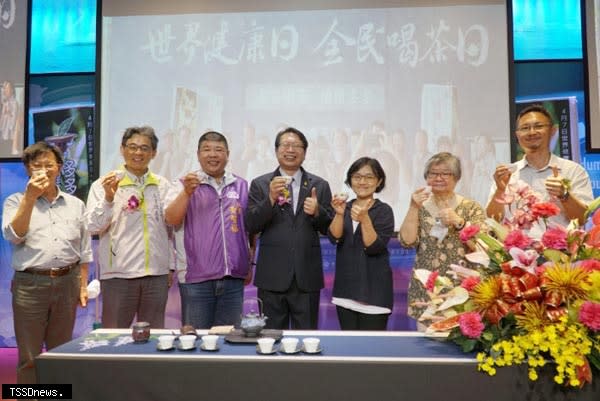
[50,254]
[126,209]
[543,171]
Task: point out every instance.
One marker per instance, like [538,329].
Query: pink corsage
[133,204]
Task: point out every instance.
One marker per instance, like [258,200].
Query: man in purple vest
[211,203]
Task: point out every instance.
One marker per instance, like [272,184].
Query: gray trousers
[123,299]
[44,310]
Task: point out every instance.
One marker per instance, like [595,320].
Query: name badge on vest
[232,195]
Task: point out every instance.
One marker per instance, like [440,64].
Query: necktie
[292,201]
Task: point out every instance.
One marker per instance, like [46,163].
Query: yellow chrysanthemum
[486,293]
[533,317]
[593,286]
[566,281]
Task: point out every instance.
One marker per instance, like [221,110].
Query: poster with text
[13,41]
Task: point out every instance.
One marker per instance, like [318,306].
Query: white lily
[456,296]
[478,257]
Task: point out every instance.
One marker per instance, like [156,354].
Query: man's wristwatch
[564,196]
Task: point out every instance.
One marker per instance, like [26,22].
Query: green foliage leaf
[588,253]
[488,336]
[555,255]
[492,243]
[468,345]
[591,208]
[594,358]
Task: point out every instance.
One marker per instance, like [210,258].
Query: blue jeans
[212,303]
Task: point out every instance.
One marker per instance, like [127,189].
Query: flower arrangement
[535,298]
[133,204]
[285,197]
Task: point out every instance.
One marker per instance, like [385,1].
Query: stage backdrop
[13,39]
[398,84]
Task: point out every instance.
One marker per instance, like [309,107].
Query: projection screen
[592,41]
[395,80]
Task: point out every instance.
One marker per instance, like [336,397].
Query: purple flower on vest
[133,204]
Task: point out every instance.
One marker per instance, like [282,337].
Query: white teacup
[119,174]
[37,173]
[209,341]
[202,176]
[311,344]
[287,178]
[341,195]
[187,341]
[289,344]
[166,341]
[265,344]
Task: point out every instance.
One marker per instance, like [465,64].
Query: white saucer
[203,348]
[318,351]
[160,348]
[180,348]
[273,350]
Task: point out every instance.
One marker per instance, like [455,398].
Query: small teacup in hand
[119,174]
[341,195]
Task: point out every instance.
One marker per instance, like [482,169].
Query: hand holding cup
[38,183]
[277,185]
[338,202]
[420,196]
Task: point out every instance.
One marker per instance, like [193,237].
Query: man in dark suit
[288,208]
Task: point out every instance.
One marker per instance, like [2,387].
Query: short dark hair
[144,130]
[32,152]
[534,108]
[213,136]
[291,130]
[375,166]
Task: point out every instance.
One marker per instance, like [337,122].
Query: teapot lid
[252,315]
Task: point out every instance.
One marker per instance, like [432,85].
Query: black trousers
[352,320]
[294,308]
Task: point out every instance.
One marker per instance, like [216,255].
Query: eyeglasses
[535,127]
[294,146]
[444,175]
[366,177]
[132,147]
[49,166]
